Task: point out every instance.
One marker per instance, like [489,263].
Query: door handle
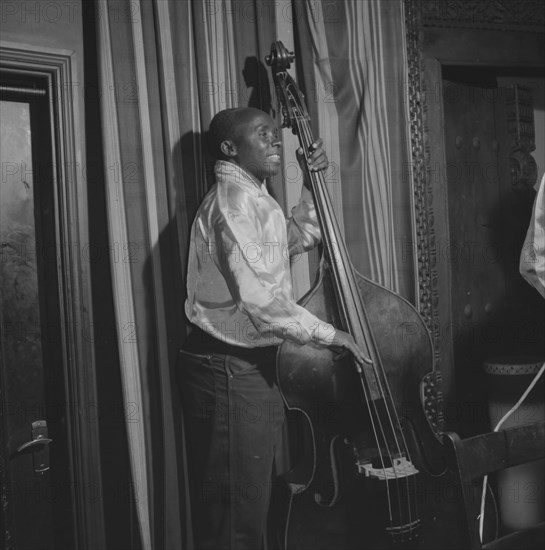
[38,446]
[34,445]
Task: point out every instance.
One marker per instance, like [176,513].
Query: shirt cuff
[323,334]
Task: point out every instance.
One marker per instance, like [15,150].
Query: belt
[203,343]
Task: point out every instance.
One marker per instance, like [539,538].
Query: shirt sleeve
[257,291]
[532,257]
[303,228]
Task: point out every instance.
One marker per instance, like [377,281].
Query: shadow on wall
[256,78]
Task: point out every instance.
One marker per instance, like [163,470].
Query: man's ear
[228,148]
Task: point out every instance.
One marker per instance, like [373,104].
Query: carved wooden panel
[520,15]
[423,215]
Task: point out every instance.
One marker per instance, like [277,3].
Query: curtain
[354,68]
[166,67]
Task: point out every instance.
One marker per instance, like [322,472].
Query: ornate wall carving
[423,215]
[519,15]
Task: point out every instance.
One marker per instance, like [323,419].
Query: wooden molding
[424,238]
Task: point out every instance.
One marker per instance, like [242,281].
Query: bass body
[328,501]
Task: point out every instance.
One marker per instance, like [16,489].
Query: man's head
[247,137]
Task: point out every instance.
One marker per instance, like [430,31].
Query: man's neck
[247,173]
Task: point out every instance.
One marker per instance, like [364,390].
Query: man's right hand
[346,341]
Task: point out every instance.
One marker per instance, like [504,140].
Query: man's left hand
[316,158]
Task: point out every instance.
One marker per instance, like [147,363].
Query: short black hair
[223,126]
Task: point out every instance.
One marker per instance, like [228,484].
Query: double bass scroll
[371,471]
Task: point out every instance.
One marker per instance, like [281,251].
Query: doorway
[495,313]
[36,474]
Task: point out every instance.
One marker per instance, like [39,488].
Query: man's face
[256,147]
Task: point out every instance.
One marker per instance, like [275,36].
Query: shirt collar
[232,173]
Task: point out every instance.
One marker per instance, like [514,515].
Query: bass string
[379,433]
[320,188]
[304,134]
[378,370]
[382,381]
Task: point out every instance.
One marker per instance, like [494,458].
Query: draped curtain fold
[355,71]
[166,67]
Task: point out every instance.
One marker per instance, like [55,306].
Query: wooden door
[37,506]
[494,311]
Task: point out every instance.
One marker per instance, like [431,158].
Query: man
[241,304]
[532,257]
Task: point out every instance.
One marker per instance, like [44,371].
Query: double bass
[371,472]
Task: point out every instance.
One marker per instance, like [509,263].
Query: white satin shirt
[238,279]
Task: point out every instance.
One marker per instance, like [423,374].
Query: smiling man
[241,305]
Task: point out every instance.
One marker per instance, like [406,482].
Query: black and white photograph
[272,274]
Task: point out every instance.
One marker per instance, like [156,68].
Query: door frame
[58,68]
[460,35]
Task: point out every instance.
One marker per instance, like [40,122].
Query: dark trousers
[233,413]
